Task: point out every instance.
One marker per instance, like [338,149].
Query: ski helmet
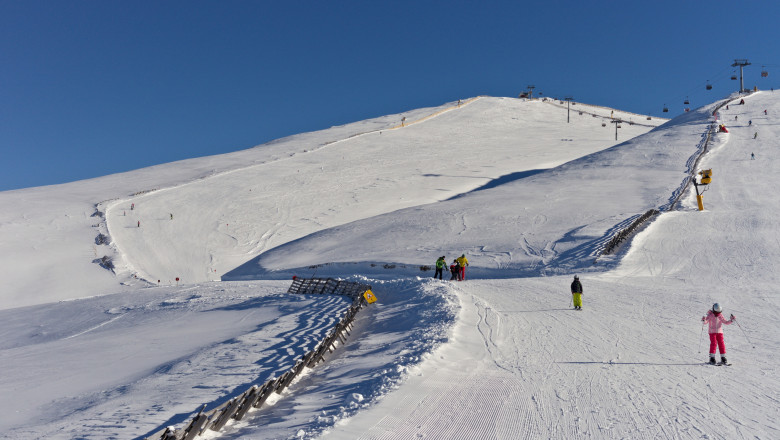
[576,277]
[717,308]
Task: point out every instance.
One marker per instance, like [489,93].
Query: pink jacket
[716,321]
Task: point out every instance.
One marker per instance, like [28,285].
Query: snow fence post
[227,413]
[268,388]
[196,425]
[249,402]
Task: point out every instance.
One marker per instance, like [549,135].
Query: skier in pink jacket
[715,320]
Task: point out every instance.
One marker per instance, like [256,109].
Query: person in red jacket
[455,270]
[715,320]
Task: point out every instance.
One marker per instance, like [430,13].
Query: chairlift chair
[734,77]
[764,73]
[666,109]
[709,86]
[686,102]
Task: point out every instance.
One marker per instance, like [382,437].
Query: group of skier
[457,268]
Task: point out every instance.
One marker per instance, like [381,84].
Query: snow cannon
[706,177]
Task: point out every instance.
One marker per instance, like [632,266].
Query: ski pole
[743,331]
[698,350]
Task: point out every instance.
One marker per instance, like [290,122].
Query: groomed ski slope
[521,364]
[498,356]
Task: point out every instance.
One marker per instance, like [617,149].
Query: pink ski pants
[716,340]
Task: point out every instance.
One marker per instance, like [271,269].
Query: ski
[723,363]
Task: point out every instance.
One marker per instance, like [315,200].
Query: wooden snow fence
[257,395]
[625,233]
[328,286]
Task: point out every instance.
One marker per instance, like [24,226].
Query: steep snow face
[531,222]
[229,218]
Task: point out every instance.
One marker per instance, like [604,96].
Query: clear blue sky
[94,87]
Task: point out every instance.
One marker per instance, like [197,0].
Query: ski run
[131,300]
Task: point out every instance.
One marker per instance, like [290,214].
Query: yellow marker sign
[369,296]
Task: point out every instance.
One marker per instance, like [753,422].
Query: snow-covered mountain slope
[530,222]
[48,234]
[228,208]
[257,208]
[500,355]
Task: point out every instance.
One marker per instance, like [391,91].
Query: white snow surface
[88,352]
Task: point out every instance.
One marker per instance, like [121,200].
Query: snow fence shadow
[255,396]
[410,319]
[389,338]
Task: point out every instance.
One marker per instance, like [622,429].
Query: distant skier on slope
[715,320]
[441,263]
[576,292]
[462,262]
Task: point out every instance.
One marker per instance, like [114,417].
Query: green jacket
[440,263]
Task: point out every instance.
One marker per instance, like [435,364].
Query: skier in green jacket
[440,265]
